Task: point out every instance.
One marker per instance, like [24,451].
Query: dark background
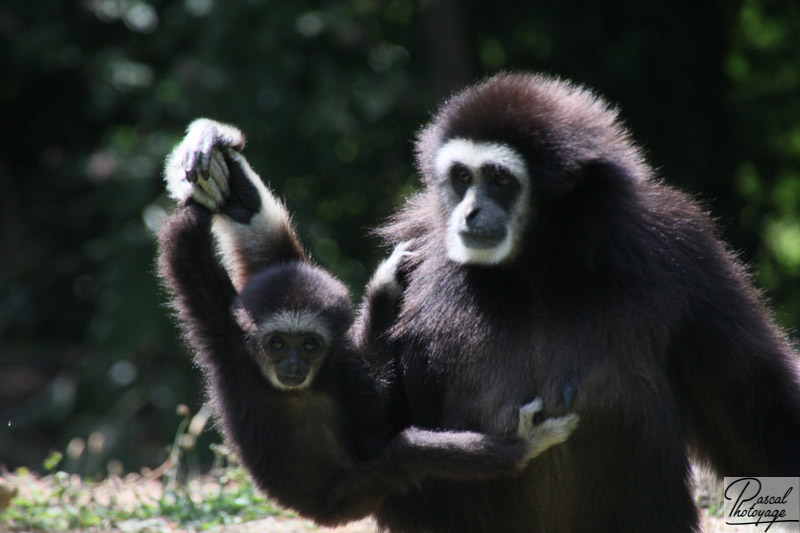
[93,95]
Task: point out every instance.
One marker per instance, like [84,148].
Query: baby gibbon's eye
[312,345]
[275,343]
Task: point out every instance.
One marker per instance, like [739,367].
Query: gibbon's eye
[502,180]
[460,174]
[311,345]
[499,177]
[275,343]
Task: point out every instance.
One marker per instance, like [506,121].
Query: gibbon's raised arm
[201,292]
[252,228]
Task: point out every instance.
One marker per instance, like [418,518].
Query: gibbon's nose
[293,367]
[471,214]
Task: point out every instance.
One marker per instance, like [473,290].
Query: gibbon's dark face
[483,189]
[295,315]
[290,359]
[290,346]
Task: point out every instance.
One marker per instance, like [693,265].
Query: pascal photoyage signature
[763,508]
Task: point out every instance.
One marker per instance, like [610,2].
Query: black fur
[331,451]
[622,289]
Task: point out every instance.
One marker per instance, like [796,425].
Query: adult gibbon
[549,256]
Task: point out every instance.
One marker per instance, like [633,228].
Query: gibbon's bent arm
[416,454]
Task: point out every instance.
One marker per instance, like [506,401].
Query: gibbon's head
[499,149]
[295,315]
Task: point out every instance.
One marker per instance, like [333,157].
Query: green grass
[154,502]
[161,502]
[59,502]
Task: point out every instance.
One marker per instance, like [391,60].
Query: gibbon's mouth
[481,240]
[291,381]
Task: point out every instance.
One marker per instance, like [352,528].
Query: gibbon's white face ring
[474,155]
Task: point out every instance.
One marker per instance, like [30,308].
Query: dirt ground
[295,525]
[125,492]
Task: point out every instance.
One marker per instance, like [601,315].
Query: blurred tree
[94,95]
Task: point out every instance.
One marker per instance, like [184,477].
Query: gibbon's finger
[210,187]
[218,171]
[529,414]
[551,432]
[189,175]
[201,197]
[191,165]
[205,151]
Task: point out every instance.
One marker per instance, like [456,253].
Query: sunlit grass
[148,501]
[61,502]
[163,501]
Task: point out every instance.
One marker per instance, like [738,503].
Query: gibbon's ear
[575,178]
[592,175]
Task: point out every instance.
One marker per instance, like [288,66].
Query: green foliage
[60,501]
[763,65]
[330,95]
[53,460]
